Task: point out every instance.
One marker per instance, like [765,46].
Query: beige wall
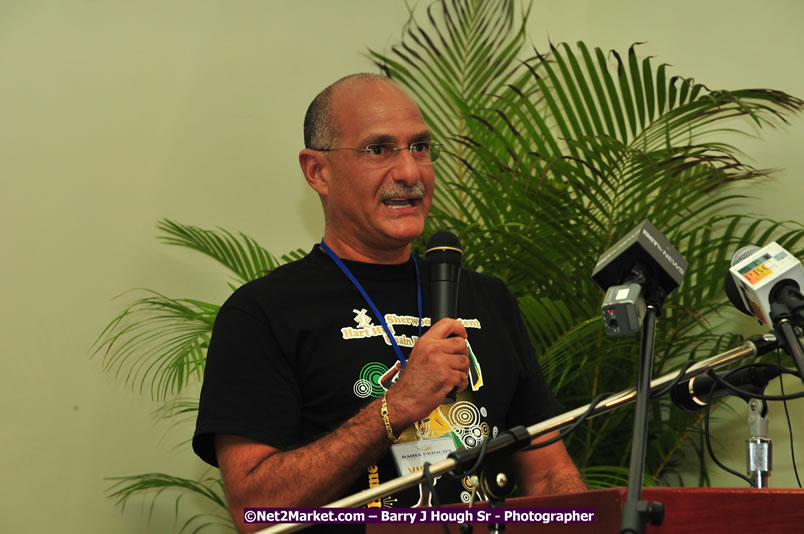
[116,114]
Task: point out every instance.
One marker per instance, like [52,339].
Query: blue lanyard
[370,302]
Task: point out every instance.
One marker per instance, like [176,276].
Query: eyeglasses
[379,154]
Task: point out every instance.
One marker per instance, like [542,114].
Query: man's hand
[255,474]
[438,364]
[548,470]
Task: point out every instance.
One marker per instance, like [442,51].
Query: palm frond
[610,476]
[155,485]
[240,253]
[178,409]
[158,340]
[455,66]
[158,343]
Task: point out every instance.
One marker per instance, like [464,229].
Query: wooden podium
[687,511]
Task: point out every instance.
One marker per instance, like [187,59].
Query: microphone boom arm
[749,349]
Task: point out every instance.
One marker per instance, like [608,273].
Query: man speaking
[325,377]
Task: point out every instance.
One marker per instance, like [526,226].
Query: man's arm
[548,470]
[255,474]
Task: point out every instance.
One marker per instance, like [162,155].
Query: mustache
[398,190]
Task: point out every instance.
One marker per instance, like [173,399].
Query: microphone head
[694,394]
[443,247]
[683,394]
[647,246]
[759,276]
[732,292]
[443,259]
[743,253]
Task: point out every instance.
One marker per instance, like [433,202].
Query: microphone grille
[743,253]
[732,292]
[443,240]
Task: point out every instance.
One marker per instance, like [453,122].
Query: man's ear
[316,170]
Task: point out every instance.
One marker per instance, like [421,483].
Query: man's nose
[405,169]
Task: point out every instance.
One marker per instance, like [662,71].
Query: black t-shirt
[297,352]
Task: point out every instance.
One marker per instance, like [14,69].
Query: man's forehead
[376,110]
[356,94]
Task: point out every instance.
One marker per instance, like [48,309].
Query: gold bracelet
[387,421]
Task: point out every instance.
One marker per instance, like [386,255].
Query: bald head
[319,125]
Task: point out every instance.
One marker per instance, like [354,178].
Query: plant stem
[680,440]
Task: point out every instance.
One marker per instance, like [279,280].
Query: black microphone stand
[636,513]
[787,311]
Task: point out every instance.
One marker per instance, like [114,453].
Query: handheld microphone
[694,394]
[443,259]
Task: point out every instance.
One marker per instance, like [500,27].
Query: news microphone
[644,257]
[443,259]
[694,394]
[730,286]
[762,279]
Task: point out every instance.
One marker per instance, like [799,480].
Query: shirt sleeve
[249,386]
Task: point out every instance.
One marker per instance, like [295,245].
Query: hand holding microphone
[443,259]
[440,358]
[438,364]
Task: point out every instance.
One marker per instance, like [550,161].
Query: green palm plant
[557,156]
[157,344]
[550,160]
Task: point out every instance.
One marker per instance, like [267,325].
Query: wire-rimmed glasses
[380,154]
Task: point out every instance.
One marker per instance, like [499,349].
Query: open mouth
[400,203]
[400,196]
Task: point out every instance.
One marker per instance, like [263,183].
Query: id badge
[411,456]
